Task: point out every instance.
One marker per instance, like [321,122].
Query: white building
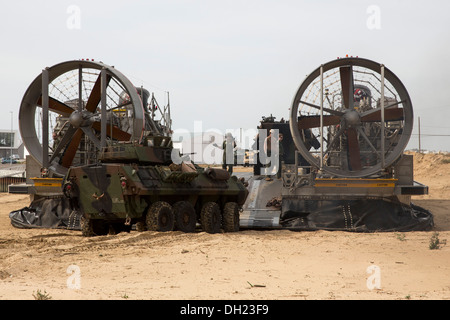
[11,143]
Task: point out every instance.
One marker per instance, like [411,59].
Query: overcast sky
[228,63]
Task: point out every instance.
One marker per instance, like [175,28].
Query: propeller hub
[76,119]
[80,119]
[352,118]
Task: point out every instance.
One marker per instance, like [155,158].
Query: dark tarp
[49,213]
[363,215]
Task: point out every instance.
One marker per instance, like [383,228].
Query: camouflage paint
[117,191]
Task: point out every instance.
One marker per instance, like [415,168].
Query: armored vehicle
[105,147]
[139,184]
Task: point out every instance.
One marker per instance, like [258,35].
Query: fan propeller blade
[72,148]
[117,134]
[347,86]
[330,111]
[57,106]
[96,93]
[91,106]
[395,114]
[354,155]
[307,122]
[88,131]
[68,135]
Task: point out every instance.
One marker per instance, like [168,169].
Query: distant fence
[6,181]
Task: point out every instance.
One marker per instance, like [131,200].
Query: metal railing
[6,181]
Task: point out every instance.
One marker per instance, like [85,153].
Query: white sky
[228,63]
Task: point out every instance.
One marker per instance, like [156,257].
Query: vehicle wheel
[230,219]
[211,217]
[160,217]
[116,228]
[90,227]
[185,216]
[140,226]
[87,227]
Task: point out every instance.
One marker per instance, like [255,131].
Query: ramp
[255,212]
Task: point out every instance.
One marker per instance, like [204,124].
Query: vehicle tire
[230,219]
[116,228]
[91,227]
[141,226]
[87,227]
[160,217]
[211,217]
[185,216]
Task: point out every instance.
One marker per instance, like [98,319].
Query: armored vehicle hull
[115,196]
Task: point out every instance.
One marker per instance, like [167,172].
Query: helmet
[359,94]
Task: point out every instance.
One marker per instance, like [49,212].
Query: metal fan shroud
[74,94]
[351,117]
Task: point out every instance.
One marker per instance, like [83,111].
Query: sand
[247,265]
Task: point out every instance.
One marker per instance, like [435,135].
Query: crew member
[228,147]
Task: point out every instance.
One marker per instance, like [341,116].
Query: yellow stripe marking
[47,184]
[355,183]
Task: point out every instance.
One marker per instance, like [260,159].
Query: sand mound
[433,170]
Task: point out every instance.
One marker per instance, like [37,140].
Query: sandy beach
[247,265]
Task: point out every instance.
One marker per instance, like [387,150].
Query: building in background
[11,144]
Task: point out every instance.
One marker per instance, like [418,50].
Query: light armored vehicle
[139,184]
[104,146]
